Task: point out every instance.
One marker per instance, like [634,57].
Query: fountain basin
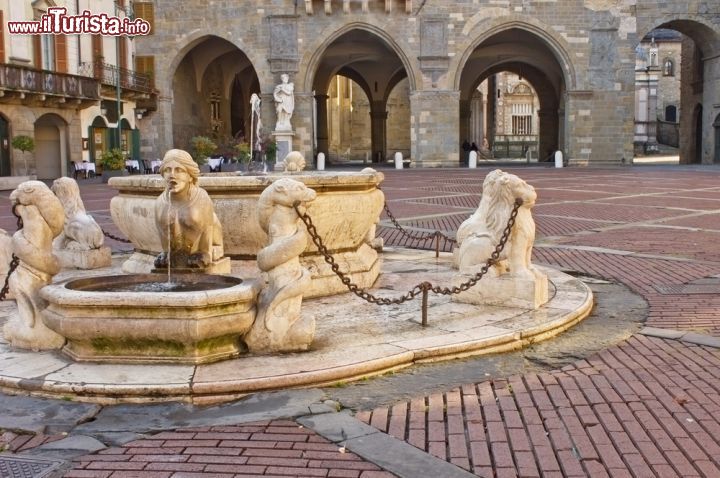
[104,322]
[345,212]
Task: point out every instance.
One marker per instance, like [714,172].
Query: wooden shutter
[37,51]
[61,62]
[97,48]
[2,38]
[146,66]
[122,42]
[146,11]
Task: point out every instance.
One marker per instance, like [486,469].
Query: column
[322,124]
[378,128]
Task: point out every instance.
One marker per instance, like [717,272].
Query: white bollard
[558,159]
[398,160]
[321,162]
[472,160]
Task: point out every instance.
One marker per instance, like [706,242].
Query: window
[668,68]
[145,11]
[671,114]
[47,52]
[653,58]
[146,66]
[522,115]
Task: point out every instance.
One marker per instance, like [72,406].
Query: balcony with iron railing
[110,76]
[21,84]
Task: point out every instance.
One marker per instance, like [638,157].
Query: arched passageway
[355,55]
[212,85]
[5,169]
[683,72]
[51,146]
[533,61]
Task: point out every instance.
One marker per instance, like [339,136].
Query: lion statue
[43,219]
[279,325]
[81,232]
[478,236]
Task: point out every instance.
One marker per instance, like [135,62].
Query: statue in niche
[284,96]
[43,219]
[190,232]
[279,325]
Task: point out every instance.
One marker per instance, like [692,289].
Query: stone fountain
[199,325]
[180,313]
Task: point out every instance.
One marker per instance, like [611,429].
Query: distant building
[657,90]
[75,95]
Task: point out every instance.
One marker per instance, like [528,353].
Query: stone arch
[51,146]
[700,83]
[481,31]
[354,51]
[541,57]
[211,79]
[194,39]
[312,60]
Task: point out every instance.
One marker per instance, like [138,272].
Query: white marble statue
[43,219]
[190,232]
[512,277]
[81,243]
[279,325]
[284,96]
[294,162]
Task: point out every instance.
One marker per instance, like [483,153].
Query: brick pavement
[647,407]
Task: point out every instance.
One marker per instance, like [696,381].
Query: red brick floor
[274,448]
[648,407]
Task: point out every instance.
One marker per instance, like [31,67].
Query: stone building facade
[65,92]
[578,56]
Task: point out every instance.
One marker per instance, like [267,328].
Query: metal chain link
[433,235]
[421,288]
[14,260]
[119,239]
[6,288]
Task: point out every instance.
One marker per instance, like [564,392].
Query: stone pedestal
[90,259]
[284,141]
[505,290]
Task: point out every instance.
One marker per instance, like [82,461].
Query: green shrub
[203,147]
[24,144]
[112,160]
[243,152]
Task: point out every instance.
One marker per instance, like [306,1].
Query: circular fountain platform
[354,339]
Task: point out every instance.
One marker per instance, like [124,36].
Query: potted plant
[203,147]
[25,144]
[112,162]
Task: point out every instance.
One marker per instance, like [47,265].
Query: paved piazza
[647,406]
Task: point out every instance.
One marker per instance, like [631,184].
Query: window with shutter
[97,48]
[61,63]
[146,11]
[146,66]
[37,51]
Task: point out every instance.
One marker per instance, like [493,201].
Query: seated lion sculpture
[478,236]
[81,232]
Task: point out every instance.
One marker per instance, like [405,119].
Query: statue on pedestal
[284,96]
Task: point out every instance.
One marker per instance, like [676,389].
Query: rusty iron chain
[421,288]
[117,238]
[14,262]
[418,237]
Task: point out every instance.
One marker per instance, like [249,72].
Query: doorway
[4,147]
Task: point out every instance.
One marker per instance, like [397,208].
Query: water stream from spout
[169,237]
